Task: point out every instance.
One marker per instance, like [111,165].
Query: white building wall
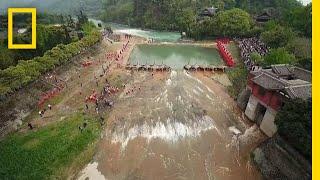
[251,107]
[267,125]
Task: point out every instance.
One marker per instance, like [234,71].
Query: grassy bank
[238,77]
[55,151]
[234,50]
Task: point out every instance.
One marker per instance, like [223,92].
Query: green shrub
[294,124]
[238,77]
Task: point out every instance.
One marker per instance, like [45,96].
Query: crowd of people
[133,89]
[101,100]
[107,32]
[42,112]
[248,46]
[119,56]
[104,99]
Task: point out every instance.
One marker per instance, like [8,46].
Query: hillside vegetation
[91,7]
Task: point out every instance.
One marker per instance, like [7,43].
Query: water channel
[176,126]
[175,56]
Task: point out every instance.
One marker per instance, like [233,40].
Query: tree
[26,71]
[294,124]
[238,77]
[300,47]
[220,4]
[88,27]
[257,58]
[300,19]
[186,20]
[278,36]
[234,22]
[278,56]
[6,57]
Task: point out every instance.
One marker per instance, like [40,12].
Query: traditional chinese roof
[209,11]
[295,82]
[267,81]
[264,17]
[300,91]
[302,74]
[282,69]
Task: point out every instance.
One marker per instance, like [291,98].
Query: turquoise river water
[175,56]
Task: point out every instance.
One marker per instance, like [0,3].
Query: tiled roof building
[270,88]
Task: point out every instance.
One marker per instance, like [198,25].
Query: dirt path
[72,99]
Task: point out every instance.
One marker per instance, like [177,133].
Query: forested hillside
[91,7]
[168,14]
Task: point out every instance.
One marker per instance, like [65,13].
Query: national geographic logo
[33,12]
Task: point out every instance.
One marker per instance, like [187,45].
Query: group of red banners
[224,52]
[118,56]
[48,95]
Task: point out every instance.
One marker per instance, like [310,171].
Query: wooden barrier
[209,68]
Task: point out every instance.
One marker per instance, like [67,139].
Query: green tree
[6,57]
[277,36]
[238,77]
[278,56]
[294,124]
[300,47]
[88,27]
[300,19]
[186,20]
[257,58]
[234,22]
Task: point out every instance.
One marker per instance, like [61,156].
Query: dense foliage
[92,7]
[300,19]
[277,36]
[27,71]
[168,14]
[231,23]
[47,37]
[278,56]
[295,125]
[238,77]
[301,48]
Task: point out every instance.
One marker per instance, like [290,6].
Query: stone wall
[277,160]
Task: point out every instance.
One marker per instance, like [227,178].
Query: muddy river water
[175,127]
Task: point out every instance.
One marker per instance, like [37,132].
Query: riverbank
[169,123]
[164,123]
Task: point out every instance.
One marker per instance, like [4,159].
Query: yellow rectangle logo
[33,12]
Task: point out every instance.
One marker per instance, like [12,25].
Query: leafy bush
[257,58]
[48,36]
[238,77]
[295,125]
[234,22]
[279,56]
[277,36]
